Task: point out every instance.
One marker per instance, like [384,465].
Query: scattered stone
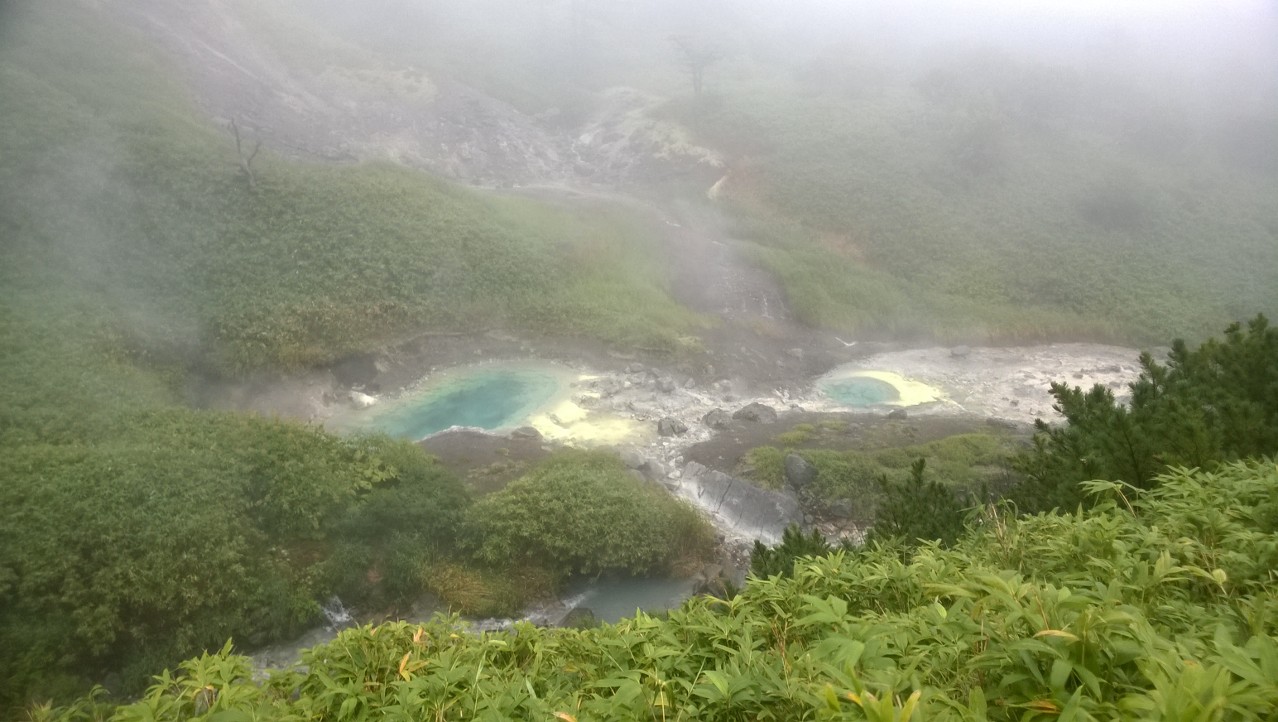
[635,368]
[525,432]
[961,352]
[670,426]
[717,419]
[798,471]
[898,414]
[666,385]
[756,411]
[796,353]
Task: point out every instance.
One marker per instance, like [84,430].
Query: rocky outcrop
[717,419]
[761,413]
[670,426]
[741,509]
[799,472]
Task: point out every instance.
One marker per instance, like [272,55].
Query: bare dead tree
[246,162]
[695,56]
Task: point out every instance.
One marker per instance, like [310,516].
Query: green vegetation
[583,513]
[779,560]
[135,532]
[961,462]
[919,510]
[1160,609]
[177,531]
[1217,402]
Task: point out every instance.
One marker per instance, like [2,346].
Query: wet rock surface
[741,507]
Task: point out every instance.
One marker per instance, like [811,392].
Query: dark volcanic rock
[579,618]
[525,432]
[898,414]
[670,426]
[798,472]
[756,412]
[717,419]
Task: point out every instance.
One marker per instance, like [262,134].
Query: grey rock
[961,351]
[796,352]
[755,512]
[756,412]
[666,385]
[670,426]
[798,472]
[717,419]
[635,368]
[898,414]
[525,432]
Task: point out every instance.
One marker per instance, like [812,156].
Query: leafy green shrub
[779,560]
[1158,609]
[584,513]
[1216,403]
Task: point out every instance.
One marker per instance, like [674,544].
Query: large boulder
[745,510]
[756,411]
[799,472]
[717,419]
[670,426]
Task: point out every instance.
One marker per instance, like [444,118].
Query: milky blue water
[860,391]
[484,398]
[615,599]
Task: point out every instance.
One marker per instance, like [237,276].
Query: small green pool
[860,391]
[484,398]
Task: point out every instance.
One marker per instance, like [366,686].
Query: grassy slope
[863,207]
[113,183]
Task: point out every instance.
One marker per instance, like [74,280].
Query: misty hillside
[228,227]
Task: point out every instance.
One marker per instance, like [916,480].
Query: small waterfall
[336,616]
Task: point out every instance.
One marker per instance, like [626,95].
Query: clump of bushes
[583,513]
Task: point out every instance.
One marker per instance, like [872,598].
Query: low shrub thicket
[1158,605]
